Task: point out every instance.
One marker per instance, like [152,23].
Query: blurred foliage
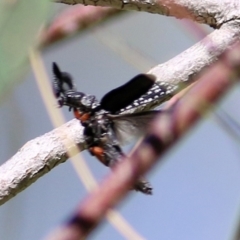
[20,24]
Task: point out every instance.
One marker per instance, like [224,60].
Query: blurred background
[196,187]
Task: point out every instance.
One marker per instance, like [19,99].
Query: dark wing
[62,81]
[123,96]
[130,126]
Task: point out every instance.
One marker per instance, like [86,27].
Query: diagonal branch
[40,155]
[192,61]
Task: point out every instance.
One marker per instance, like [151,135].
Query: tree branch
[211,12]
[40,155]
[184,69]
[192,61]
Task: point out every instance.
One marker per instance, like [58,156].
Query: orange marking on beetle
[84,117]
[77,114]
[98,152]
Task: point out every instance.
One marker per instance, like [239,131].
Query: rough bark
[211,12]
[37,157]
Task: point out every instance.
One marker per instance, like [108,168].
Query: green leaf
[20,22]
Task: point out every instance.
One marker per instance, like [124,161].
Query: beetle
[106,127]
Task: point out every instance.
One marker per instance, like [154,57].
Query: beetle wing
[130,126]
[124,95]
